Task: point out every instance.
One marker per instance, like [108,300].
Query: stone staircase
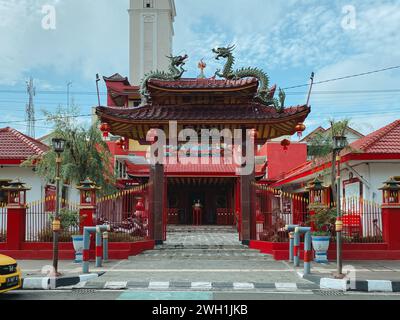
[202,243]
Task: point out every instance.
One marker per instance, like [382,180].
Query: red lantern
[105,128]
[121,143]
[285,144]
[300,128]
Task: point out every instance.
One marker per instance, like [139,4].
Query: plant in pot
[70,222]
[323,222]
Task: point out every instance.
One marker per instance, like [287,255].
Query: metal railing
[38,222]
[119,212]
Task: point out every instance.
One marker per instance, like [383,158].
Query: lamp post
[339,143]
[58,147]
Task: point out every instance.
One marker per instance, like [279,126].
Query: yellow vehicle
[10,274]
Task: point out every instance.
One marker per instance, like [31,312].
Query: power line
[345,77]
[47,119]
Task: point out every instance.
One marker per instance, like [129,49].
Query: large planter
[321,246]
[77,242]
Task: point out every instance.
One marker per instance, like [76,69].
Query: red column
[391,225]
[16,221]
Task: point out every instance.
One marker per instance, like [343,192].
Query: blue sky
[288,39]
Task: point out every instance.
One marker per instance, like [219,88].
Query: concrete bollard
[99,244]
[86,247]
[294,245]
[105,246]
[307,247]
[291,244]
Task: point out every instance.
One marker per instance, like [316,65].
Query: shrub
[324,221]
[47,236]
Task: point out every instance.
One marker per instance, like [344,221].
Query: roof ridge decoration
[175,72]
[264,93]
[375,136]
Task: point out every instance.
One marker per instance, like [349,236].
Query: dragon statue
[175,72]
[264,94]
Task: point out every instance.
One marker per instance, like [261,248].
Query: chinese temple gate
[178,190]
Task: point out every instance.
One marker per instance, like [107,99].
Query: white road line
[243,286]
[116,285]
[194,270]
[159,285]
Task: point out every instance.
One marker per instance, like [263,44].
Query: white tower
[150,36]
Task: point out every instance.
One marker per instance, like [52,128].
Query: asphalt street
[190,295]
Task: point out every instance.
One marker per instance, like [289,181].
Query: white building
[150,36]
[365,165]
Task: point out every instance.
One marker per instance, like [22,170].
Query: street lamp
[58,147]
[339,143]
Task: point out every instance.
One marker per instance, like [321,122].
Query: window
[148,4]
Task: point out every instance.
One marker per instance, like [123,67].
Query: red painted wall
[281,161]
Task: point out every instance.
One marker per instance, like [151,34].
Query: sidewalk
[366,276]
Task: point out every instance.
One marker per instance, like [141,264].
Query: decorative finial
[202,65]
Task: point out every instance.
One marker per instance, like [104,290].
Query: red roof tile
[203,83]
[14,145]
[254,111]
[384,140]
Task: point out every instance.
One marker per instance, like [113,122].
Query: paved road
[197,296]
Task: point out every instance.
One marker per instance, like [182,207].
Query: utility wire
[345,77]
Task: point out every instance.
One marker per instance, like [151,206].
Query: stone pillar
[156,201]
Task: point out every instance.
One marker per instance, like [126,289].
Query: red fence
[3,222]
[120,211]
[38,226]
[362,220]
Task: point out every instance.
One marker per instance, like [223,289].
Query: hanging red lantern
[121,143]
[300,128]
[105,128]
[285,144]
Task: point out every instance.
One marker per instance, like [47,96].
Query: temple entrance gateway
[215,197]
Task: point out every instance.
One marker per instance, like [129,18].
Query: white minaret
[150,36]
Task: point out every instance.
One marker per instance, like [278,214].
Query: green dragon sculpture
[175,72]
[265,94]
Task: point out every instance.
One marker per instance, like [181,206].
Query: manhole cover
[329,292]
[84,291]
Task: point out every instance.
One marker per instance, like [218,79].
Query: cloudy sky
[288,39]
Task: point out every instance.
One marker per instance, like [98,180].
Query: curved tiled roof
[14,145]
[203,83]
[253,111]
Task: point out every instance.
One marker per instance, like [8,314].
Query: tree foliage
[85,154]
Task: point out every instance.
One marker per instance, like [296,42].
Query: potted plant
[70,221]
[323,222]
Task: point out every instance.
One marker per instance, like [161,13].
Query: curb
[357,285]
[49,283]
[202,286]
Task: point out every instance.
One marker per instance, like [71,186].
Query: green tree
[321,145]
[85,155]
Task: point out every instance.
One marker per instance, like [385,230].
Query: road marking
[174,296]
[243,286]
[192,270]
[158,285]
[116,285]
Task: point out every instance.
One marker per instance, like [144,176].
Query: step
[203,251]
[199,246]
